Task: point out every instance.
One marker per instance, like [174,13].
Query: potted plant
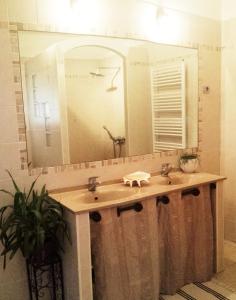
[189,163]
[34,225]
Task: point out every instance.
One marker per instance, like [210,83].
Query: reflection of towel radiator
[168,106]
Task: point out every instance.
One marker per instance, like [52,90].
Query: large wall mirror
[90,98]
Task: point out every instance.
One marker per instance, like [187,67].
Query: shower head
[112,88]
[94,74]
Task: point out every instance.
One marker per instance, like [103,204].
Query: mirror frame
[14,28]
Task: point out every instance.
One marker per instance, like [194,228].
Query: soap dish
[137,177]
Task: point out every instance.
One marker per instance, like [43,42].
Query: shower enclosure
[94,84]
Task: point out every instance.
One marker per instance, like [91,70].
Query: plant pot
[189,165]
[44,255]
[45,277]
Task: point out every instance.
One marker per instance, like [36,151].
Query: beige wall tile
[13,280]
[22,11]
[8,125]
[15,274]
[228,142]
[209,161]
[230,210]
[6,72]
[3,10]
[230,230]
[9,159]
[4,198]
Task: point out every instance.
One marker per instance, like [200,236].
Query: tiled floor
[227,278]
[222,286]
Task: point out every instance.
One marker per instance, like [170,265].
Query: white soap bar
[136,177]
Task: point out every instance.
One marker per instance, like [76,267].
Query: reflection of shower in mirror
[117,141]
[96,74]
[112,87]
[99,74]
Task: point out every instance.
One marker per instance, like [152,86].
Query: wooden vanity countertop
[81,200]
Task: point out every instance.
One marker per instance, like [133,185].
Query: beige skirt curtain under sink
[124,254]
[171,244]
[186,240]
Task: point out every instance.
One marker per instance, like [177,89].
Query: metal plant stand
[45,279]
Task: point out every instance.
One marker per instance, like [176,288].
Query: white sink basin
[105,195]
[175,180]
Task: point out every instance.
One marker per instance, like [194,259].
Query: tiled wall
[192,31]
[228,143]
[9,158]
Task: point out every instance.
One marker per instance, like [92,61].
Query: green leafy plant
[186,157]
[33,224]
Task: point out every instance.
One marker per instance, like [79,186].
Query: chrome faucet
[92,183]
[165,169]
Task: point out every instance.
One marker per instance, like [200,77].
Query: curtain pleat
[175,240]
[185,240]
[125,254]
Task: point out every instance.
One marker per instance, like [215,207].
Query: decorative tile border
[13,31]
